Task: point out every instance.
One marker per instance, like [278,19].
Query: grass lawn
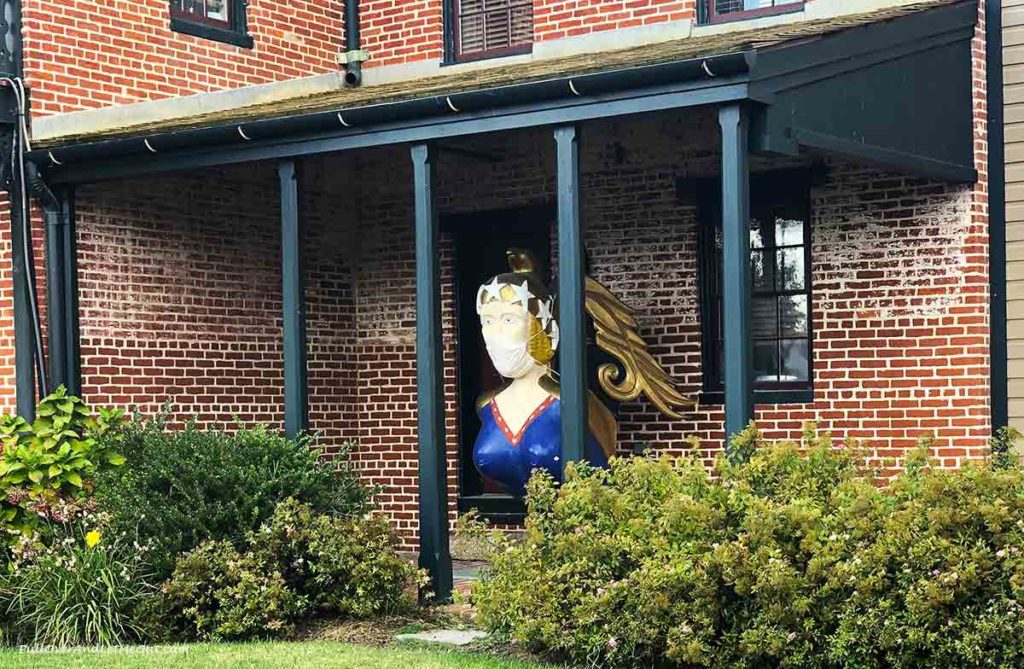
[325,655]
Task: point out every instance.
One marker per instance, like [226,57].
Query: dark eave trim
[566,99]
[885,157]
[997,214]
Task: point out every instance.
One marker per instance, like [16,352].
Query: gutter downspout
[353,57]
[996,214]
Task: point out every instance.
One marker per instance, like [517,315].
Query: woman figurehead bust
[521,424]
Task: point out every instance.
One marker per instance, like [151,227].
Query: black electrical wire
[18,151]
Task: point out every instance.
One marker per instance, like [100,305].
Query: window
[780,258]
[488,28]
[220,20]
[718,11]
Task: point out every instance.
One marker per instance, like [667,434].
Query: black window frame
[452,40]
[234,31]
[707,14]
[768,191]
[530,227]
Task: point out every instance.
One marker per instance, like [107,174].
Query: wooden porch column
[62,292]
[738,357]
[294,302]
[56,311]
[72,343]
[571,276]
[433,475]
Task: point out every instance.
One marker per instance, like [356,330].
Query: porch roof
[892,86]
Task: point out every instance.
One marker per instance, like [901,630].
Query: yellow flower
[92,538]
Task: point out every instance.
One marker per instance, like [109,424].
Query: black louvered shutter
[493,25]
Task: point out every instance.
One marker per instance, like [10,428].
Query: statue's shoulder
[485,399]
[551,386]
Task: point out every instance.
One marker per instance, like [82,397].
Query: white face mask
[511,359]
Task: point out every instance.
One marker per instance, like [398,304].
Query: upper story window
[780,265]
[488,28]
[718,11]
[219,20]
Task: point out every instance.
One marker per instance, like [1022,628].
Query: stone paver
[449,637]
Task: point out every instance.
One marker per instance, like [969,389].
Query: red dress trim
[500,420]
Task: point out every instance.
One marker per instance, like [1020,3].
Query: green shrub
[218,593]
[297,564]
[343,566]
[179,488]
[47,466]
[86,587]
[790,558]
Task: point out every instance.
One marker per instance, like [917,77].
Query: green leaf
[35,476]
[115,459]
[74,479]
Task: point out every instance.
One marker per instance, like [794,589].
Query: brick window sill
[802,396]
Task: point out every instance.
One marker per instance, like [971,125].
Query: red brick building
[186,265]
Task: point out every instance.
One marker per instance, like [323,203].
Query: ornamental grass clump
[792,557]
[86,586]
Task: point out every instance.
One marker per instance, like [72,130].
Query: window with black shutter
[218,20]
[489,28]
[719,11]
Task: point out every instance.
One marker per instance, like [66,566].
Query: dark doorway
[481,241]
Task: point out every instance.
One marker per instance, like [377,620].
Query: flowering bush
[343,566]
[793,557]
[218,593]
[86,586]
[179,488]
[298,563]
[47,466]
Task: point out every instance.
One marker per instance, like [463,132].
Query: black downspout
[24,341]
[996,213]
[25,353]
[353,57]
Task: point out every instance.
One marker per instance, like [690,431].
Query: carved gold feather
[640,373]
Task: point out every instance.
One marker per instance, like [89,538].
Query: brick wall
[83,54]
[180,293]
[555,19]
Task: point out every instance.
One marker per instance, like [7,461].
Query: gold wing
[617,336]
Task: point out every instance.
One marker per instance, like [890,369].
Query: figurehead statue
[521,423]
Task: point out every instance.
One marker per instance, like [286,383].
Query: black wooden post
[294,302]
[572,356]
[56,310]
[433,475]
[739,397]
[72,344]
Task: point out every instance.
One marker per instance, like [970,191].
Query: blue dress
[508,459]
